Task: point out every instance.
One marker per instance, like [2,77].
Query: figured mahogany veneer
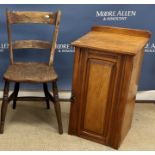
[106,71]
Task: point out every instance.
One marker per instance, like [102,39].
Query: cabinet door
[99,74]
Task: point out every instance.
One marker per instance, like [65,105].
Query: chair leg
[4,106]
[57,106]
[16,90]
[46,95]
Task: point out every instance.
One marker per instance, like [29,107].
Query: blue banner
[76,20]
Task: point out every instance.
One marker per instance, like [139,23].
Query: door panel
[100,76]
[96,99]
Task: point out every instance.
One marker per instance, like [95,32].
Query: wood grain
[30,72]
[39,44]
[105,81]
[55,37]
[98,90]
[4,106]
[18,17]
[130,104]
[26,17]
[124,31]
[119,41]
[9,38]
[103,60]
[73,125]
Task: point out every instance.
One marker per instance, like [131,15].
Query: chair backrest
[27,17]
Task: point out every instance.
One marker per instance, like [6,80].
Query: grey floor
[32,127]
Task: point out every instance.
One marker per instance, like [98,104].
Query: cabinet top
[114,39]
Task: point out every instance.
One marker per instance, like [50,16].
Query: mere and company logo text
[65,48]
[150,47]
[115,15]
[3,46]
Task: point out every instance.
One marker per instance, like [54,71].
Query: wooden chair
[31,72]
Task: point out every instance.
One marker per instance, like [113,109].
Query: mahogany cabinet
[107,65]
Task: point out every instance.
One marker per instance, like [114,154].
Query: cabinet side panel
[130,104]
[123,84]
[74,104]
[96,99]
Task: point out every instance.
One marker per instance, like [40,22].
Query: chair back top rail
[31,17]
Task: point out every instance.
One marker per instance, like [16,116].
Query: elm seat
[25,71]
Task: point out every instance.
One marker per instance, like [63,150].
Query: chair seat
[30,72]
